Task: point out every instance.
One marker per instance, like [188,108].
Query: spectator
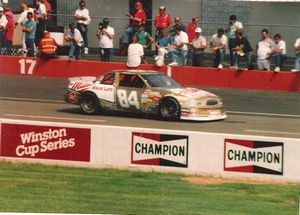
[29,29]
[22,19]
[41,23]
[162,45]
[162,21]
[198,45]
[264,50]
[179,48]
[82,16]
[3,23]
[105,36]
[138,19]
[145,38]
[76,42]
[135,53]
[10,28]
[233,27]
[3,3]
[178,24]
[297,60]
[218,44]
[243,48]
[47,47]
[279,52]
[191,28]
[48,10]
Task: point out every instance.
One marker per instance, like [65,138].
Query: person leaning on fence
[105,36]
[279,52]
[135,53]
[76,42]
[218,44]
[47,47]
[264,50]
[297,59]
[82,16]
[198,46]
[242,49]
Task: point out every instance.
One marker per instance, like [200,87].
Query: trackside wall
[213,154]
[230,78]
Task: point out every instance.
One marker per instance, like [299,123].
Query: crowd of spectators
[173,39]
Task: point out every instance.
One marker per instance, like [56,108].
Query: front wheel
[89,103]
[170,109]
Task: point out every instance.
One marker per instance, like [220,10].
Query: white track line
[272,132]
[50,117]
[264,114]
[31,100]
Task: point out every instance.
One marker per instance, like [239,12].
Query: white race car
[144,91]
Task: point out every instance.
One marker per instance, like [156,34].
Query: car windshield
[161,80]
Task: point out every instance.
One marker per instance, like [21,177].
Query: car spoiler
[82,78]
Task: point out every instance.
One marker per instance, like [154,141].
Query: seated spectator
[179,49]
[279,52]
[198,46]
[178,24]
[218,46]
[162,45]
[47,47]
[145,38]
[264,50]
[297,60]
[135,53]
[243,48]
[76,42]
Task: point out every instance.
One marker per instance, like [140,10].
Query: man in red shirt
[47,47]
[162,22]
[9,29]
[191,28]
[138,19]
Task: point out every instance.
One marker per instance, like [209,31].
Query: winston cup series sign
[253,156]
[45,142]
[159,149]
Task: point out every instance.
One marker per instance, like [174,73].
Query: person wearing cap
[29,29]
[3,23]
[76,42]
[47,47]
[138,19]
[105,35]
[232,28]
[82,16]
[198,46]
[218,44]
[9,29]
[178,24]
[162,21]
[41,23]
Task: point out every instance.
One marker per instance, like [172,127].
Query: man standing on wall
[41,23]
[76,42]
[162,22]
[82,16]
[105,36]
[198,45]
[29,29]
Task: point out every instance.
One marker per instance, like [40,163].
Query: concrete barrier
[201,153]
[195,76]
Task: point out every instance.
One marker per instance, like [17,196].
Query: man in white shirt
[279,52]
[76,41]
[105,36]
[179,49]
[198,46]
[297,60]
[264,50]
[218,44]
[41,24]
[3,22]
[135,53]
[82,16]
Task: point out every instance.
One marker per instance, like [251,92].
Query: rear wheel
[170,109]
[89,103]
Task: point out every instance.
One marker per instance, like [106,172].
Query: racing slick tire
[170,109]
[89,103]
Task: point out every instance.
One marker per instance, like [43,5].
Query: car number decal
[127,101]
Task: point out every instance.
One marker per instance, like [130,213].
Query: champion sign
[253,156]
[159,149]
[60,143]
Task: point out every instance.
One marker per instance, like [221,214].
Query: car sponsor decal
[45,142]
[159,149]
[253,156]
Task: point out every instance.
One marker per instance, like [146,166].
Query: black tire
[89,103]
[170,109]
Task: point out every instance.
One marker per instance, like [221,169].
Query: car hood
[191,93]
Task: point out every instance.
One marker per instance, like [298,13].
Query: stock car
[144,91]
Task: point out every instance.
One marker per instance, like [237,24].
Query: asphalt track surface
[250,112]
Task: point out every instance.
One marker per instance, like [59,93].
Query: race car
[144,91]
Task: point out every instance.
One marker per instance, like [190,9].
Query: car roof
[135,71]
